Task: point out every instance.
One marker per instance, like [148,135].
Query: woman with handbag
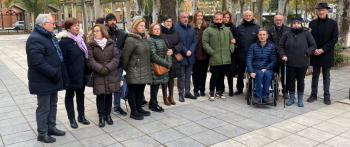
[103,60]
[136,58]
[74,53]
[161,63]
[174,43]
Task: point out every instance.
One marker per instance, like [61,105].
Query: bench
[8,30]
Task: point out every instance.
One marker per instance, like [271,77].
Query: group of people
[61,62]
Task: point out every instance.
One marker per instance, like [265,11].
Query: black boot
[181,98]
[139,107]
[109,120]
[132,104]
[83,120]
[238,92]
[73,123]
[56,132]
[46,139]
[230,93]
[101,122]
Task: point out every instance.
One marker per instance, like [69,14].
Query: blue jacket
[189,38]
[43,64]
[261,57]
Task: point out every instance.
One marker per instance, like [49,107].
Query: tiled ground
[190,124]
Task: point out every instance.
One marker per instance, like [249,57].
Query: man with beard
[248,34]
[118,37]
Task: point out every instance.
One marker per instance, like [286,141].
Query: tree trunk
[137,8]
[46,6]
[84,16]
[168,7]
[232,4]
[242,5]
[194,6]
[177,11]
[344,22]
[283,8]
[224,5]
[36,10]
[260,6]
[155,12]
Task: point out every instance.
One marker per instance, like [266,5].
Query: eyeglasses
[53,23]
[95,32]
[156,29]
[278,19]
[168,21]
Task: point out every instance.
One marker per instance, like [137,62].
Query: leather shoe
[57,132]
[83,120]
[109,120]
[312,98]
[46,139]
[196,93]
[181,98]
[202,93]
[190,96]
[238,92]
[101,122]
[327,101]
[73,123]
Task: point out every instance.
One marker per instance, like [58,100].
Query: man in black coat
[248,31]
[325,32]
[275,34]
[45,64]
[118,36]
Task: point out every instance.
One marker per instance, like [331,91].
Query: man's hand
[169,52]
[263,70]
[253,75]
[188,53]
[284,58]
[321,51]
[233,40]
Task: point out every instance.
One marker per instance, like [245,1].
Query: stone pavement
[190,124]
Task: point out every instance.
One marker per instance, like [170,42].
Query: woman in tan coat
[103,60]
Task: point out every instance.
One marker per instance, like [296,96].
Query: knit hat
[298,20]
[110,16]
[136,22]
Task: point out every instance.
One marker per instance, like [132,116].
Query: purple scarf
[80,41]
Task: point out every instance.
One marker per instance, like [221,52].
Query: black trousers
[217,77]
[199,74]
[68,101]
[135,95]
[46,113]
[230,75]
[280,70]
[170,84]
[154,92]
[326,80]
[104,104]
[240,78]
[296,73]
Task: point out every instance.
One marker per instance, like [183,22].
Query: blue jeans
[263,78]
[118,94]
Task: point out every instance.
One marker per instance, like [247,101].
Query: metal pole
[2,19]
[123,17]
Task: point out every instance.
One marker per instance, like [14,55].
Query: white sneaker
[223,98]
[211,97]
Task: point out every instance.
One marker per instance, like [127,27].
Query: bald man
[248,30]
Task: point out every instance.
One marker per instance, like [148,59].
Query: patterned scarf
[54,40]
[102,43]
[80,41]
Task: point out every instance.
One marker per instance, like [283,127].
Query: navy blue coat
[261,57]
[247,36]
[189,39]
[75,62]
[43,64]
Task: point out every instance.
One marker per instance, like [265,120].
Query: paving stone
[275,144]
[165,114]
[87,132]
[267,119]
[28,143]
[331,128]
[71,144]
[229,107]
[167,136]
[194,115]
[174,121]
[134,122]
[295,109]
[213,111]
[152,127]
[4,116]
[12,121]
[143,141]
[315,134]
[304,120]
[190,129]
[346,134]
[281,114]
[126,134]
[247,112]
[18,137]
[252,139]
[340,121]
[62,140]
[331,110]
[208,137]
[184,142]
[289,126]
[272,133]
[229,143]
[249,124]
[211,122]
[100,140]
[338,141]
[8,109]
[230,117]
[319,115]
[322,145]
[14,129]
[230,130]
[117,125]
[295,140]
[115,145]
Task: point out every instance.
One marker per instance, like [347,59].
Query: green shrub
[338,57]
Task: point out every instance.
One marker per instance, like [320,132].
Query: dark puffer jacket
[261,57]
[43,63]
[235,34]
[137,59]
[74,59]
[173,41]
[297,48]
[118,36]
[158,53]
[247,35]
[109,58]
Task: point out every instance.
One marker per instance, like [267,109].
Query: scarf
[51,35]
[297,30]
[165,26]
[102,43]
[80,41]
[199,24]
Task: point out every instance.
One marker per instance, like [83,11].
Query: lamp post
[2,18]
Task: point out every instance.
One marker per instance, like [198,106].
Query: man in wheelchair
[261,60]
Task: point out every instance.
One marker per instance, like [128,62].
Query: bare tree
[343,19]
[84,17]
[224,5]
[155,11]
[46,6]
[139,7]
[194,6]
[242,2]
[283,8]
[232,4]
[260,6]
[177,11]
[168,7]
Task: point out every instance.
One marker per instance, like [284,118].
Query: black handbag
[89,78]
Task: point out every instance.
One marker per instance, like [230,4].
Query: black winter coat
[118,36]
[74,59]
[248,32]
[275,36]
[325,33]
[43,64]
[235,34]
[173,40]
[297,47]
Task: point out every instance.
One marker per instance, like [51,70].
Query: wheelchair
[250,90]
